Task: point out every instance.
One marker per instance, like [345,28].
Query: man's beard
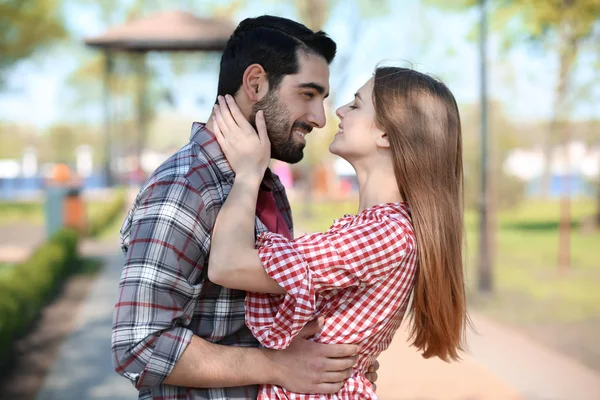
[279,128]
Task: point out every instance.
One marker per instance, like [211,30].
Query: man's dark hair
[272,42]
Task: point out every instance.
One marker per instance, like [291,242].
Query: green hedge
[110,211]
[26,288]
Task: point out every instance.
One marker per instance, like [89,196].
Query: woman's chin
[338,153]
[333,150]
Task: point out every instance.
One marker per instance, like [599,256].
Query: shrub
[27,287]
[110,211]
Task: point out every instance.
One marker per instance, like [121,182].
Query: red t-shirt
[269,214]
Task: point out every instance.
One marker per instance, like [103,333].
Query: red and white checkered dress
[358,275]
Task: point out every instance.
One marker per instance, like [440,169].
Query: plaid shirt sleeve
[165,251]
[359,255]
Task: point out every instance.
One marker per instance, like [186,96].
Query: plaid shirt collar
[209,145]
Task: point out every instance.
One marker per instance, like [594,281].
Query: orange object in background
[73,207]
[61,173]
[74,212]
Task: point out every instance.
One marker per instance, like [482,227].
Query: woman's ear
[254,82]
[382,139]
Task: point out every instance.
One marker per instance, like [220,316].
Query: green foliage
[106,214]
[27,287]
[504,136]
[26,26]
[62,142]
[55,144]
[14,138]
[535,21]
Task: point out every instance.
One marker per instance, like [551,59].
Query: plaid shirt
[358,275]
[165,296]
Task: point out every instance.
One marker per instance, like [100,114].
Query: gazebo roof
[166,31]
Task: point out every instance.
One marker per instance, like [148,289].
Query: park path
[501,364]
[83,368]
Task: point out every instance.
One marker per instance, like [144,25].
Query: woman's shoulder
[395,215]
[398,212]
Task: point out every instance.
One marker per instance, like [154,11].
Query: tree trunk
[598,204]
[545,188]
[142,112]
[484,262]
[568,47]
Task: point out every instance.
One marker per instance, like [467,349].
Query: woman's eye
[352,107]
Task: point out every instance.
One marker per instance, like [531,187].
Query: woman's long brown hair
[421,118]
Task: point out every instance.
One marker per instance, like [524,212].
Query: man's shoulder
[184,184]
[189,165]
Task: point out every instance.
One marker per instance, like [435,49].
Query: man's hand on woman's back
[310,367]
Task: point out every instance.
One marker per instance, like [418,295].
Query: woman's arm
[233,261]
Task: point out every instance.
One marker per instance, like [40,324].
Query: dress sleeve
[359,255]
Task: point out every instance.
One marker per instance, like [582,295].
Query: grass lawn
[528,285]
[33,212]
[30,212]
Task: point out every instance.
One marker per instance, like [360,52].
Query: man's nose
[317,117]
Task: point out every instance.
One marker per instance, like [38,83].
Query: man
[176,334]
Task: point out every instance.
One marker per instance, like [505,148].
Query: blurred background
[94,95]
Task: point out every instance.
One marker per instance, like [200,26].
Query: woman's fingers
[220,122]
[218,134]
[226,114]
[261,127]
[236,113]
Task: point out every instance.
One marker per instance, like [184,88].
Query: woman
[402,135]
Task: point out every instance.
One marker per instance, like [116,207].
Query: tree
[26,26]
[563,27]
[15,138]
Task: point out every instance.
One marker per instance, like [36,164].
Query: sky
[410,34]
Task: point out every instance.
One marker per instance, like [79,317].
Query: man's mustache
[302,126]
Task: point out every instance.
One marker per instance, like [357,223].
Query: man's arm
[234,261]
[305,367]
[160,283]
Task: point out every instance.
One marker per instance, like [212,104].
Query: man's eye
[309,95]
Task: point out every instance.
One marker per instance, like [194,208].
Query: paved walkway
[83,369]
[502,365]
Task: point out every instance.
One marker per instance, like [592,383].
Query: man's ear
[382,139]
[254,82]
